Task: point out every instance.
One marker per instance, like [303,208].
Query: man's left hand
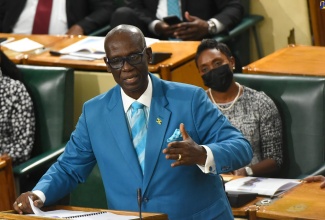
[194,29]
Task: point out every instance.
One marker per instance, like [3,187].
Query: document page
[69,214]
[90,48]
[262,186]
[23,45]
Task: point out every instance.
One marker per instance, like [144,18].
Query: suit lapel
[117,122]
[157,126]
[183,7]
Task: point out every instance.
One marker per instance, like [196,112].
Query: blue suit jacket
[183,192]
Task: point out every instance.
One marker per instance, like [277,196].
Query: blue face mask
[219,79]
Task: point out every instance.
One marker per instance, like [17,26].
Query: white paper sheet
[23,45]
[80,215]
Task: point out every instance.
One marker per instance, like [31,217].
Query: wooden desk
[306,201]
[10,215]
[292,60]
[179,67]
[20,57]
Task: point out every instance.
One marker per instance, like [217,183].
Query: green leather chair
[51,90]
[301,103]
[238,39]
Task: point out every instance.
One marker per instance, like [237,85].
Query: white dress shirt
[58,20]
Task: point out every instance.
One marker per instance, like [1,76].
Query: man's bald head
[132,32]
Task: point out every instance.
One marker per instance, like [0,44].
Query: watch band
[249,171]
[212,28]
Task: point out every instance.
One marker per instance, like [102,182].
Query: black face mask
[218,79]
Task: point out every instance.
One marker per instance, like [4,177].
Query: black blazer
[228,12]
[89,14]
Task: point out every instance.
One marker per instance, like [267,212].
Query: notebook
[271,187]
[80,215]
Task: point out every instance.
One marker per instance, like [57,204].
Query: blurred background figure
[17,121]
[199,19]
[75,17]
[252,112]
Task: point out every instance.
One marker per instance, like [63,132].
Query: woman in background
[250,111]
[17,121]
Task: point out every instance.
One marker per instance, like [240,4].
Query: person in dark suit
[75,17]
[188,143]
[199,18]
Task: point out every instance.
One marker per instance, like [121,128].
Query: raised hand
[185,152]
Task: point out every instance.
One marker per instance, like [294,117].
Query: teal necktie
[138,124]
[173,8]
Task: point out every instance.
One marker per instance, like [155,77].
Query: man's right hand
[165,30]
[22,205]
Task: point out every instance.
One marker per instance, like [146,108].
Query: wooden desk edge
[11,215]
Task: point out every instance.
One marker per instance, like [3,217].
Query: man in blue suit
[189,143]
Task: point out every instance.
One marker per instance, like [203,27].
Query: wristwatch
[249,171]
[212,28]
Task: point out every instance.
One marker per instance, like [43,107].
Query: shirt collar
[144,99]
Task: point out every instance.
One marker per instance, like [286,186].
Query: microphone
[139,202]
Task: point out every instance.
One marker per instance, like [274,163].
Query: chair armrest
[101,31]
[246,23]
[319,171]
[38,162]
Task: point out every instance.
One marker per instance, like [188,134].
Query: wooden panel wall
[317,17]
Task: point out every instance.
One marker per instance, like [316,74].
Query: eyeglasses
[118,62]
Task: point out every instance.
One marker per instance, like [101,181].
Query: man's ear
[232,62]
[149,54]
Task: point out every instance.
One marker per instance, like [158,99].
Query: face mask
[218,79]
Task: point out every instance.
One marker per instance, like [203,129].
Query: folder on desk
[89,47]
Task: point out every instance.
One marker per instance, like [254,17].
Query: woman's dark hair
[212,44]
[9,68]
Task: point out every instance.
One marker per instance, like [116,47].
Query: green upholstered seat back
[301,103]
[51,90]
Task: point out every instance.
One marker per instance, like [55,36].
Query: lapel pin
[159,121]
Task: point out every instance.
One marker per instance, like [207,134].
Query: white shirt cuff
[219,25]
[152,26]
[40,194]
[210,165]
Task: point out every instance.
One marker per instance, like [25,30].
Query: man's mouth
[131,79]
